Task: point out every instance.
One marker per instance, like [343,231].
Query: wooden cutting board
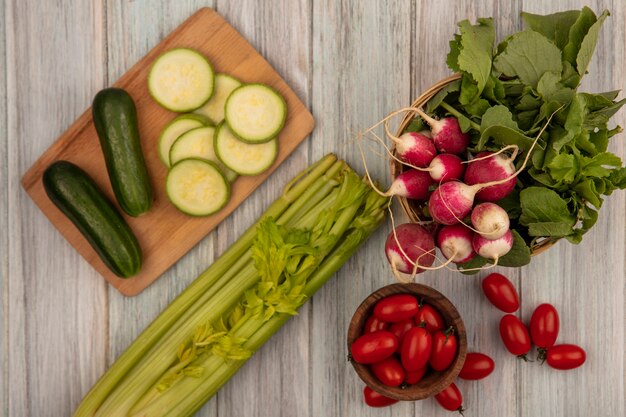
[164,233]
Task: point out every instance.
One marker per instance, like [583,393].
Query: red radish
[455,242]
[495,168]
[446,167]
[411,184]
[451,202]
[493,249]
[447,134]
[416,242]
[415,148]
[490,220]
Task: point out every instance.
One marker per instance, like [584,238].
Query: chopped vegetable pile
[527,87]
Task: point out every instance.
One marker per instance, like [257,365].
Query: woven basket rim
[396,167]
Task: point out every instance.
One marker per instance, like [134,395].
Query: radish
[484,169]
[410,244]
[490,220]
[415,148]
[446,167]
[455,243]
[447,134]
[411,184]
[451,202]
[493,249]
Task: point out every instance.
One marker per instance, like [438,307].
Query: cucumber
[78,197]
[198,143]
[115,119]
[174,129]
[255,113]
[242,157]
[181,80]
[197,187]
[214,108]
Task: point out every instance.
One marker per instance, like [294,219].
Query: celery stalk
[152,365]
[153,333]
[216,370]
[190,402]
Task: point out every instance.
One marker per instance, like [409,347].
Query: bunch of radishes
[450,185]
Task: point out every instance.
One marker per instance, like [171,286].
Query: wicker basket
[413,208]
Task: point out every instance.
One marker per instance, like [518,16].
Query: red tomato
[450,398]
[396,308]
[566,356]
[388,371]
[430,316]
[373,324]
[416,347]
[544,326]
[501,292]
[476,366]
[443,351]
[374,347]
[400,328]
[374,399]
[514,335]
[413,377]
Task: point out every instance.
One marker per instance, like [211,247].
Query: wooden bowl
[414,209]
[433,382]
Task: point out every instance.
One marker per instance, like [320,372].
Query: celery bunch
[206,334]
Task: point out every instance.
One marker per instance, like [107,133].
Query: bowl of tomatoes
[407,341]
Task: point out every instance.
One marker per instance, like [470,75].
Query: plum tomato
[400,328]
[374,347]
[544,328]
[389,371]
[396,308]
[413,377]
[450,398]
[514,335]
[501,292]
[373,324]
[443,350]
[374,399]
[477,366]
[565,356]
[431,318]
[416,347]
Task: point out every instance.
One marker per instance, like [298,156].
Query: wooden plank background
[351,62]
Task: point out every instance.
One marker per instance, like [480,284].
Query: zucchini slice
[214,108]
[242,157]
[181,80]
[255,113]
[174,129]
[197,187]
[198,143]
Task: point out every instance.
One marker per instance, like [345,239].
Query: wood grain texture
[55,308]
[164,233]
[351,62]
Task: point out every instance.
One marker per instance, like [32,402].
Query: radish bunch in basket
[461,194]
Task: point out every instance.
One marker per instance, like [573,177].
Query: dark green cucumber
[115,118]
[78,197]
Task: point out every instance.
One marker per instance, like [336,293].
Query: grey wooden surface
[351,62]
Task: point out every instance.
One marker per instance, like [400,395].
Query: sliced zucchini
[242,157]
[181,80]
[214,108]
[197,187]
[175,128]
[255,113]
[198,143]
